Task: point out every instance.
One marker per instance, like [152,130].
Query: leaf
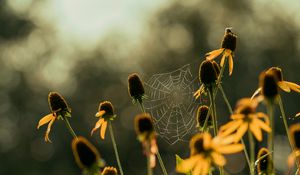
[178,161]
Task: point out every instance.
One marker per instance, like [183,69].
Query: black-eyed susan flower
[146,135]
[228,46]
[245,117]
[105,113]
[264,162]
[201,117]
[136,88]
[109,171]
[208,75]
[206,151]
[86,156]
[59,110]
[294,132]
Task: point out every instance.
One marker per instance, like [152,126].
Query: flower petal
[237,116]
[284,86]
[262,125]
[295,87]
[229,149]
[97,125]
[152,160]
[218,159]
[188,164]
[103,130]
[233,127]
[100,113]
[198,168]
[205,167]
[45,120]
[213,54]
[206,140]
[255,129]
[49,129]
[230,62]
[241,131]
[223,60]
[256,93]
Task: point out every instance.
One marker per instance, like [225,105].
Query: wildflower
[208,74]
[294,132]
[271,80]
[59,110]
[201,116]
[135,88]
[109,171]
[228,46]
[146,135]
[206,151]
[264,161]
[105,113]
[244,118]
[86,155]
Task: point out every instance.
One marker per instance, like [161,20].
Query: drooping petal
[230,62]
[152,160]
[218,159]
[213,54]
[223,60]
[236,124]
[97,125]
[229,149]
[255,129]
[188,164]
[205,167]
[103,130]
[264,116]
[284,86]
[49,129]
[100,113]
[44,120]
[256,93]
[262,125]
[295,87]
[241,131]
[219,140]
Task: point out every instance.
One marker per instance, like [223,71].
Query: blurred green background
[85,50]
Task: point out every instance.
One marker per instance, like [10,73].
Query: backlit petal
[229,149]
[206,140]
[213,54]
[198,168]
[241,131]
[97,125]
[100,113]
[223,60]
[205,167]
[236,124]
[256,93]
[218,159]
[103,130]
[295,87]
[230,62]
[262,125]
[255,129]
[284,86]
[45,120]
[49,129]
[188,164]
[237,116]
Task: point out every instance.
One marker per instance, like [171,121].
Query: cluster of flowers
[207,148]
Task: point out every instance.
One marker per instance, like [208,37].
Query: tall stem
[286,126]
[115,146]
[214,117]
[252,152]
[271,135]
[69,127]
[231,112]
[161,163]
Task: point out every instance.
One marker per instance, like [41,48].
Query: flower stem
[286,125]
[161,163]
[252,151]
[115,147]
[271,135]
[214,117]
[65,119]
[231,112]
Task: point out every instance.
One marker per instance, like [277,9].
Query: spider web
[172,105]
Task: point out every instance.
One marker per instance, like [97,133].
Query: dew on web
[171,103]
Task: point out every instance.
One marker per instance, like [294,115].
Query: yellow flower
[146,135]
[206,151]
[271,80]
[264,161]
[109,171]
[244,118]
[59,109]
[86,155]
[105,113]
[228,46]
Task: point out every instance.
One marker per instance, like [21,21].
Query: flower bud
[135,87]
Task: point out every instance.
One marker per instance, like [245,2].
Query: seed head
[268,83]
[229,40]
[295,134]
[144,126]
[107,107]
[57,102]
[265,162]
[277,72]
[86,155]
[208,72]
[197,144]
[109,171]
[201,116]
[135,87]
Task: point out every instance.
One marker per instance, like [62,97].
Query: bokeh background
[85,50]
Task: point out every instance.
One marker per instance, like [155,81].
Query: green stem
[69,127]
[214,117]
[271,135]
[286,126]
[115,146]
[161,163]
[231,112]
[252,152]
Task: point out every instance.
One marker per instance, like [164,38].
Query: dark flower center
[277,72]
[201,116]
[135,86]
[198,145]
[57,102]
[145,125]
[107,107]
[297,139]
[86,155]
[208,73]
[229,41]
[269,85]
[247,110]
